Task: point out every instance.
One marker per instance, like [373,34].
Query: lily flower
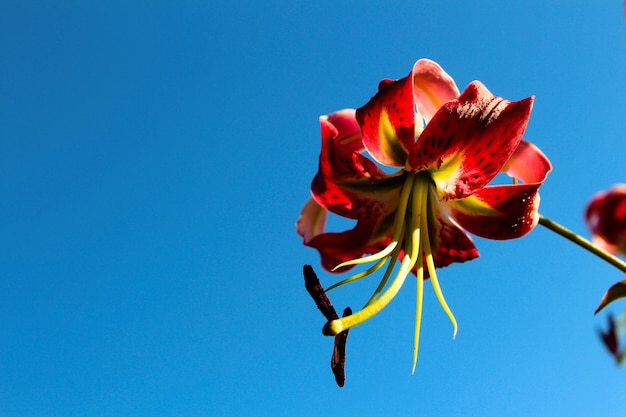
[606,218]
[446,148]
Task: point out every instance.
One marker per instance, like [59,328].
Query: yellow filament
[398,231]
[418,310]
[383,253]
[360,275]
[430,263]
[383,282]
[418,234]
[417,218]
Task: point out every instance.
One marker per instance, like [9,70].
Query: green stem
[582,242]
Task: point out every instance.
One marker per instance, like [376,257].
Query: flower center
[411,240]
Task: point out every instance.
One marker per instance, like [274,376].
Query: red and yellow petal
[347,182]
[469,140]
[387,122]
[358,199]
[506,211]
[312,220]
[498,212]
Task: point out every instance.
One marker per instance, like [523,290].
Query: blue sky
[154,157]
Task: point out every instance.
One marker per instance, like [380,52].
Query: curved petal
[469,140]
[312,220]
[347,182]
[336,247]
[338,158]
[432,88]
[498,212]
[506,211]
[449,243]
[528,164]
[387,122]
[348,129]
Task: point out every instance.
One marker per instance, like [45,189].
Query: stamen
[374,305]
[430,263]
[420,196]
[412,227]
[417,219]
[392,263]
[371,258]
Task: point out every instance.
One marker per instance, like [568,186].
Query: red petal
[348,129]
[432,88]
[606,218]
[340,157]
[468,141]
[348,183]
[387,122]
[528,164]
[498,212]
[358,199]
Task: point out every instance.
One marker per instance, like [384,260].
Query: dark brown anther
[338,360]
[315,290]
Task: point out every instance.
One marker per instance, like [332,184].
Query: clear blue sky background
[154,157]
